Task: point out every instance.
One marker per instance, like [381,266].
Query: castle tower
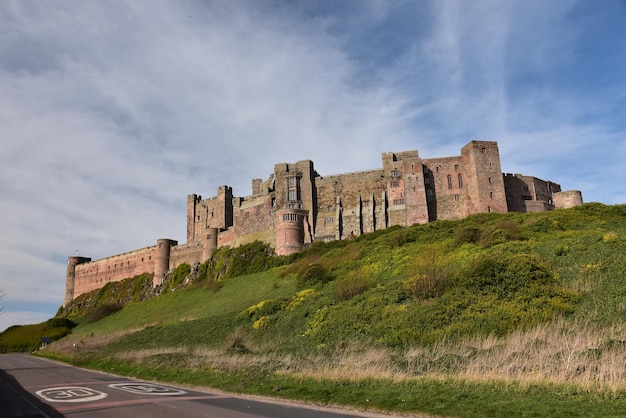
[290,231]
[70,277]
[485,188]
[162,259]
[567,199]
[210,243]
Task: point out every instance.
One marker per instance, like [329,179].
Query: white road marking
[140,388]
[70,394]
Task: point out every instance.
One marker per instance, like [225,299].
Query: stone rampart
[95,274]
[189,253]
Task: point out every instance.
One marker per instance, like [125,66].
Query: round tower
[70,277]
[162,259]
[209,244]
[290,231]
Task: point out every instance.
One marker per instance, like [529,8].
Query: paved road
[31,387]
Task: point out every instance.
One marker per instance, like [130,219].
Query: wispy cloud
[112,113]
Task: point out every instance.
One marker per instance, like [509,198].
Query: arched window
[449,181]
[460,181]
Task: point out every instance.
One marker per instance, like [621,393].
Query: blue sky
[111,113]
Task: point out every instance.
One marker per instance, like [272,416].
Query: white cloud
[112,113]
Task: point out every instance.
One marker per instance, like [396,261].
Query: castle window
[425,170]
[457,197]
[430,194]
[330,208]
[329,220]
[293,189]
[460,181]
[490,195]
[395,173]
[198,217]
[449,181]
[398,202]
[483,150]
[456,167]
[290,217]
[395,184]
[366,203]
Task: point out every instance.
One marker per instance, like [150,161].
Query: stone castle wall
[92,275]
[296,206]
[349,204]
[189,253]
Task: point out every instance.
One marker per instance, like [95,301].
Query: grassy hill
[438,318]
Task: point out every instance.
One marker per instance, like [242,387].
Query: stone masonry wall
[450,183]
[567,199]
[189,253]
[95,274]
[349,204]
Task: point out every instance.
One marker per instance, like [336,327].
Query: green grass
[530,305]
[443,397]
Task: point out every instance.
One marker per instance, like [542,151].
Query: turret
[162,259]
[70,277]
[209,245]
[290,231]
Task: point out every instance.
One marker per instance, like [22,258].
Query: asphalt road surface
[31,387]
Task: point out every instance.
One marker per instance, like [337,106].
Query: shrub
[180,273]
[432,275]
[61,322]
[470,234]
[506,273]
[238,342]
[312,275]
[104,311]
[502,232]
[351,285]
[252,258]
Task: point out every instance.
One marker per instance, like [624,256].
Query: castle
[296,206]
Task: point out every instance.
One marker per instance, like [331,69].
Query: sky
[111,113]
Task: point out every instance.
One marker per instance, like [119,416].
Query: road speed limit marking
[70,394]
[147,389]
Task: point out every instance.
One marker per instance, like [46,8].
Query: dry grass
[557,353]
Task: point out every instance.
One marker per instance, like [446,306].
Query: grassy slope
[532,304]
